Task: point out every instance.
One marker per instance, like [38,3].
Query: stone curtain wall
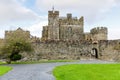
[63,50]
[108,51]
[75,50]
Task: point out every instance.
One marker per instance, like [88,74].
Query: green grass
[4,69]
[87,72]
[2,62]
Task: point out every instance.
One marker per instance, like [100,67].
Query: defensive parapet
[98,30]
[70,20]
[99,33]
[53,13]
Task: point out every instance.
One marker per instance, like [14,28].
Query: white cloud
[12,11]
[36,29]
[113,33]
[1,33]
[92,10]
[13,15]
[22,1]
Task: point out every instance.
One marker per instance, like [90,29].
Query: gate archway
[95,52]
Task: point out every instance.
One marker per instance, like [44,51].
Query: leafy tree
[16,42]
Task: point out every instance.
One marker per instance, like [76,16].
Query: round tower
[99,33]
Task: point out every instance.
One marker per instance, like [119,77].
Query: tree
[17,41]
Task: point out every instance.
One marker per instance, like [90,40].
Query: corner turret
[99,33]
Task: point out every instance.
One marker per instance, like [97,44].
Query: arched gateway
[95,52]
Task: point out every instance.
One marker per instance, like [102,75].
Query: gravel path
[38,71]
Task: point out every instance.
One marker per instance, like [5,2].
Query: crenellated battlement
[98,30]
[99,33]
[69,20]
[53,13]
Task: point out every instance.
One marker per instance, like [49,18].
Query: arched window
[69,32]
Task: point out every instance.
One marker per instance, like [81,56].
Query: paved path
[38,71]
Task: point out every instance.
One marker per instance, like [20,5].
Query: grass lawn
[87,72]
[2,62]
[4,69]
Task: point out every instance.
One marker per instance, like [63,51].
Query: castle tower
[53,25]
[99,33]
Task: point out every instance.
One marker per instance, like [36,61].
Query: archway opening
[95,51]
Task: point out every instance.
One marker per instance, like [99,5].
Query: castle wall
[76,24]
[75,50]
[108,51]
[88,36]
[17,32]
[71,32]
[44,33]
[63,50]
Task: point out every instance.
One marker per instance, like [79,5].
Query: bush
[16,57]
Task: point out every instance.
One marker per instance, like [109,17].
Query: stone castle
[64,38]
[70,28]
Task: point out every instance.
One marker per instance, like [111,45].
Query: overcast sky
[32,14]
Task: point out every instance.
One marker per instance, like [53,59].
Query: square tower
[53,25]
